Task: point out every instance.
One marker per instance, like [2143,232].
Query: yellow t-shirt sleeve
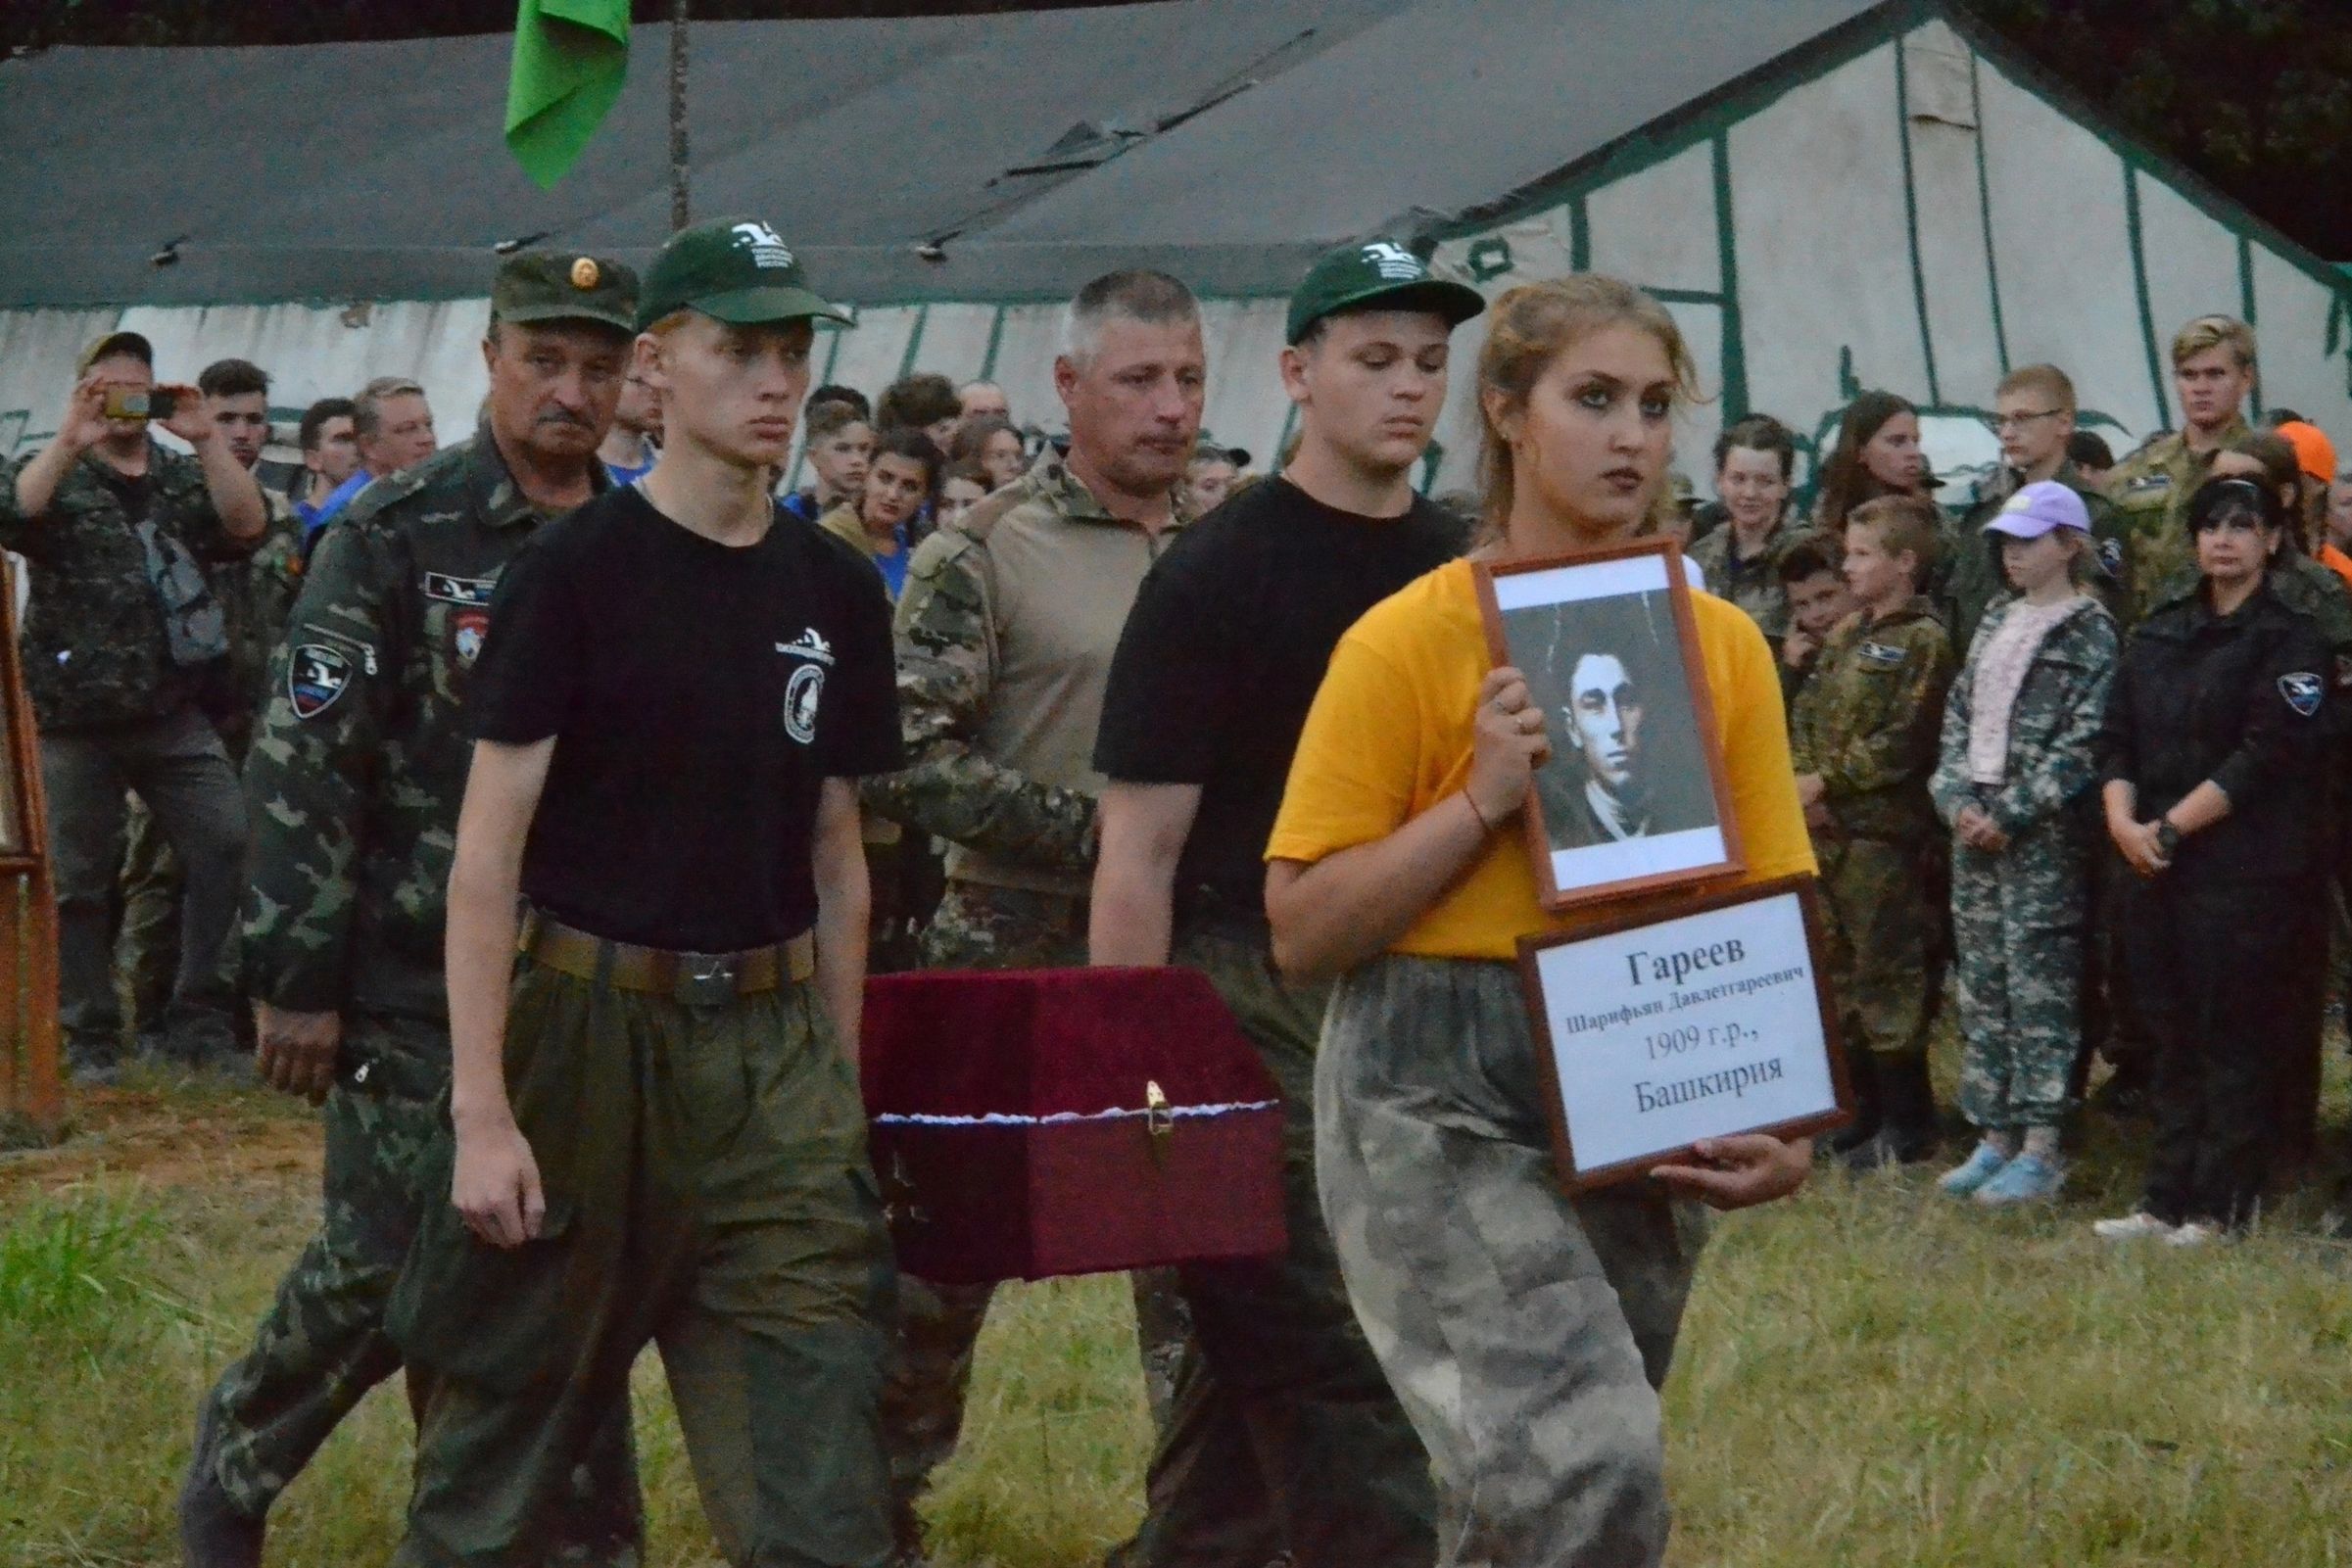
[1756,752]
[1352,777]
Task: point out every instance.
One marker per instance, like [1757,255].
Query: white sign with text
[1698,1027]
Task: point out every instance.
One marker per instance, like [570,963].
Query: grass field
[1870,1376]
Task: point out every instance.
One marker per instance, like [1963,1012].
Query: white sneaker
[2139,1226]
[2197,1233]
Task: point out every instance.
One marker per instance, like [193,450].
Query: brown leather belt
[694,980]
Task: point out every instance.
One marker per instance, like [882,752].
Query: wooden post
[31,1104]
[680,208]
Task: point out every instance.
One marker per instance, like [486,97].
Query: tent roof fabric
[1224,140]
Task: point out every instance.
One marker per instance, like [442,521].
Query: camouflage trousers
[147,935]
[323,1345]
[1886,942]
[1280,1394]
[980,928]
[708,1192]
[1527,1333]
[2018,922]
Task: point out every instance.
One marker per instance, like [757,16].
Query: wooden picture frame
[1580,856]
[1819,1110]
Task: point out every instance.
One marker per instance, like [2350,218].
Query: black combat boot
[1908,1134]
[1862,1079]
[213,1532]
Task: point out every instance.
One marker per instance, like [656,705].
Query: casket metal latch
[1157,1118]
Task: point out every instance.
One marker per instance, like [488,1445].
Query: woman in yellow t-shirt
[1525,1333]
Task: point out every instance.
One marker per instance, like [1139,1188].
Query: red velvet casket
[1068,1122]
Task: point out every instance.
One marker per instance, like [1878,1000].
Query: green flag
[570,57]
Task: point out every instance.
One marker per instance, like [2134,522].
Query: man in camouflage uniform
[255,591]
[1005,634]
[119,637]
[355,781]
[1863,737]
[2034,417]
[2213,371]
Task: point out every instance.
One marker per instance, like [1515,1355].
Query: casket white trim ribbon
[999,1119]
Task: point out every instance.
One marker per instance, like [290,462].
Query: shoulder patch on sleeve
[317,676]
[1881,655]
[2302,690]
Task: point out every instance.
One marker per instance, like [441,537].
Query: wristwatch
[2168,837]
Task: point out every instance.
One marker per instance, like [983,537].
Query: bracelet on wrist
[1471,802]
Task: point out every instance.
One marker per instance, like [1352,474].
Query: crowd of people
[591,687]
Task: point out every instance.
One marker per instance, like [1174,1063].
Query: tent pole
[679,209]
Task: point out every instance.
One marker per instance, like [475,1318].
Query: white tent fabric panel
[1696,428]
[1657,226]
[2292,317]
[1955,269]
[2192,267]
[37,350]
[1247,407]
[2068,294]
[1822,242]
[955,340]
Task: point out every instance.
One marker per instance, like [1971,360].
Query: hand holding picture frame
[1634,796]
[1658,1030]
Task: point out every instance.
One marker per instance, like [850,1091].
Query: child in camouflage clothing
[1862,733]
[2018,734]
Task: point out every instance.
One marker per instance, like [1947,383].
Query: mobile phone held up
[157,403]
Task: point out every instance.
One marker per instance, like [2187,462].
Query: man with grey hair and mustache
[353,783]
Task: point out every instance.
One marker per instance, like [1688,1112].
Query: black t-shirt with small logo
[699,693]
[1222,656]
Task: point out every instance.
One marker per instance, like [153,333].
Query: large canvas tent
[1829,194]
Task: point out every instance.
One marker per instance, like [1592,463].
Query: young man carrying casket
[658,1132]
[1216,671]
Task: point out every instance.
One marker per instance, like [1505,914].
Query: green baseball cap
[736,270]
[1377,274]
[553,286]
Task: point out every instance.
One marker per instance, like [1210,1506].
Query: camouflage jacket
[1868,718]
[1754,585]
[354,780]
[2151,490]
[1005,630]
[93,641]
[1975,581]
[2053,725]
[256,595]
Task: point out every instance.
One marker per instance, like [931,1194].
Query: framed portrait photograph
[1632,797]
[1652,1033]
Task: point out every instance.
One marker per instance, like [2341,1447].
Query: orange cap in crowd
[2315,453]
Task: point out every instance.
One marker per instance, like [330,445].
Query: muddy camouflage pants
[708,1192]
[1527,1333]
[323,1346]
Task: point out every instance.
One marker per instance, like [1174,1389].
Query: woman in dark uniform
[2216,797]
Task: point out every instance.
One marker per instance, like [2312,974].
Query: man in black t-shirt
[658,1132]
[1216,669]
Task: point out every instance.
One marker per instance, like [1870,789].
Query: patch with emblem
[475,590]
[1881,655]
[585,274]
[2144,484]
[2302,690]
[2111,556]
[467,629]
[316,676]
[800,694]
[810,644]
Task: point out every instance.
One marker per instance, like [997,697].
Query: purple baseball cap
[2038,507]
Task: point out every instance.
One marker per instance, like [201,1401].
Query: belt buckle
[706,979]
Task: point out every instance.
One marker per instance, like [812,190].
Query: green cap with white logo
[736,270]
[1378,275]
